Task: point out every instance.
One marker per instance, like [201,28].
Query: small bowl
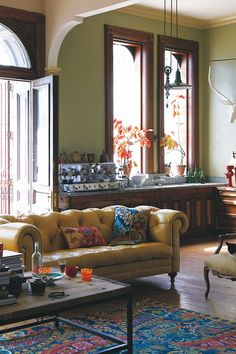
[71,271]
[138,179]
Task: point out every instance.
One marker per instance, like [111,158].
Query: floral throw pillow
[83,236]
[130,226]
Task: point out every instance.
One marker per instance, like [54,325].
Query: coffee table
[44,309]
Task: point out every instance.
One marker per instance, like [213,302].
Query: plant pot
[180,169]
[38,286]
[167,170]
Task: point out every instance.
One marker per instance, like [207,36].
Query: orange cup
[86,274]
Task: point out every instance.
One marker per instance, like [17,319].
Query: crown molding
[220,21]
[187,21]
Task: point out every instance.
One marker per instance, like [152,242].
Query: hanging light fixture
[177,84]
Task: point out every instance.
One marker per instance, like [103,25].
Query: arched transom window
[12,50]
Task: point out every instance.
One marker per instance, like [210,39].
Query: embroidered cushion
[83,236]
[130,226]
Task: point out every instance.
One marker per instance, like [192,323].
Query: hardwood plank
[189,287]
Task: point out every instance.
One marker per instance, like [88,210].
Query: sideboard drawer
[226,209]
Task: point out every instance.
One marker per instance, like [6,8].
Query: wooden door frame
[145,39]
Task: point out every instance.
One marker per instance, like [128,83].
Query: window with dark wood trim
[145,41]
[192,68]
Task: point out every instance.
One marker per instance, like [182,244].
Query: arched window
[22,44]
[12,50]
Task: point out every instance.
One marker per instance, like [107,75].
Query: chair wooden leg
[172,278]
[206,277]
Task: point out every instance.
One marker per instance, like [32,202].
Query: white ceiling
[196,13]
[200,9]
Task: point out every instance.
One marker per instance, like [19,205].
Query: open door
[19,152]
[44,144]
[14,143]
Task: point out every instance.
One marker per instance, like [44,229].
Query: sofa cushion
[130,226]
[100,256]
[83,237]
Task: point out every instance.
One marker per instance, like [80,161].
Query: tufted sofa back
[50,224]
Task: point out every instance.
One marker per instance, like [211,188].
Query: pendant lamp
[177,84]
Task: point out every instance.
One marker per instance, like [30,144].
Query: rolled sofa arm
[167,224]
[20,237]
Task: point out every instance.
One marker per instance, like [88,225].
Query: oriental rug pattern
[158,328]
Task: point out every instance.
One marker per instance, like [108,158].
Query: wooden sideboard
[226,209]
[196,200]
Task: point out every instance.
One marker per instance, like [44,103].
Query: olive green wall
[81,59]
[218,135]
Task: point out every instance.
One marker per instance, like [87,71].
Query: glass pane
[12,51]
[175,120]
[175,126]
[127,93]
[41,136]
[19,153]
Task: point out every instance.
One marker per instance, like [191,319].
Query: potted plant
[168,141]
[124,138]
[173,140]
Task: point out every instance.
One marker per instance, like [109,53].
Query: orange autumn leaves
[124,138]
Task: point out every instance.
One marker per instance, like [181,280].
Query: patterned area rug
[158,328]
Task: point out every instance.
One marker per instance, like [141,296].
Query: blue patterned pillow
[130,226]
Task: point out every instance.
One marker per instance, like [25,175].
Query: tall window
[21,58]
[129,86]
[178,115]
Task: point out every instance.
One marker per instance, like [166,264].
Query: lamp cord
[177,24]
[164,17]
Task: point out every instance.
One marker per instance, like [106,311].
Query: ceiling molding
[220,21]
[187,21]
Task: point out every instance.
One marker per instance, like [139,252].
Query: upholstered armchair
[221,263]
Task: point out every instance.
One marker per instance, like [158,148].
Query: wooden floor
[189,287]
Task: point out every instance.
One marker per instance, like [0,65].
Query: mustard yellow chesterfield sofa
[159,254]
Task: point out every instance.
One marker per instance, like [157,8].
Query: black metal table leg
[130,325]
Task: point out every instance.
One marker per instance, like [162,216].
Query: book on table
[4,275]
[10,299]
[11,255]
[13,260]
